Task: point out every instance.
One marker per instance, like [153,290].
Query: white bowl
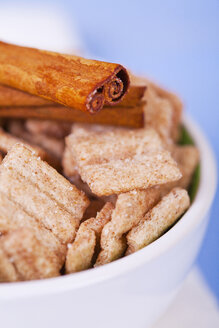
[131,292]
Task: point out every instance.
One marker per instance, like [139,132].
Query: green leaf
[194,183]
[186,139]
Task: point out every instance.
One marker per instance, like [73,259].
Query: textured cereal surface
[7,141]
[68,164]
[187,158]
[129,210]
[29,256]
[81,252]
[53,129]
[53,147]
[13,217]
[42,192]
[158,115]
[163,110]
[7,269]
[120,160]
[158,219]
[176,105]
[93,145]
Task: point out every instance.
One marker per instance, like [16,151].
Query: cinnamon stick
[122,116]
[10,97]
[73,81]
[134,96]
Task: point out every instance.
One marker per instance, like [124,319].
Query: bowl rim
[193,217]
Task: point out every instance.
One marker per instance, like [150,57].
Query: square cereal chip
[42,192]
[158,219]
[187,158]
[120,160]
[163,110]
[13,217]
[176,104]
[159,115]
[80,254]
[7,269]
[30,258]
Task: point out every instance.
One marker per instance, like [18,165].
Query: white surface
[41,26]
[194,306]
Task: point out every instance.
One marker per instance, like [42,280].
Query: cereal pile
[77,196]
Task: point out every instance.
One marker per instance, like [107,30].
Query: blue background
[176,43]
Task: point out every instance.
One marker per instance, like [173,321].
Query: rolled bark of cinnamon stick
[133,97]
[73,81]
[10,97]
[122,116]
